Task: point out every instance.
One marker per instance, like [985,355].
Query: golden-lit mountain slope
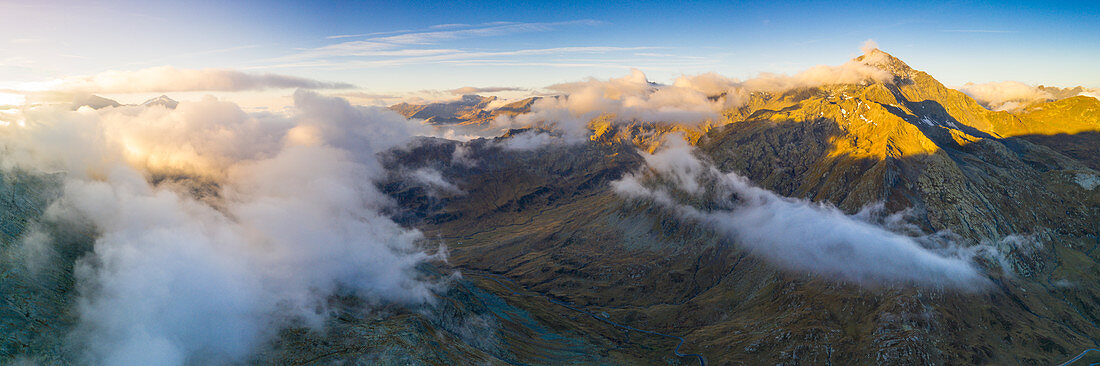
[912,143]
[549,220]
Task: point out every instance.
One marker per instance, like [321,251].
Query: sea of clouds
[216,227]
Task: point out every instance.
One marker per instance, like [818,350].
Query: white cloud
[372,54]
[434,181]
[977,31]
[709,83]
[177,277]
[199,138]
[795,234]
[628,98]
[1014,95]
[413,47]
[1006,95]
[851,72]
[532,140]
[485,31]
[11,99]
[405,45]
[868,46]
[170,79]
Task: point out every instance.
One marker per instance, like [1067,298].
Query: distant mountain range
[98,102]
[469,110]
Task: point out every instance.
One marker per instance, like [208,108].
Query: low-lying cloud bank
[165,79]
[796,234]
[1014,95]
[255,221]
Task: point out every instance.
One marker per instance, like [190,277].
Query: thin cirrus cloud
[434,33]
[494,30]
[398,43]
[338,36]
[410,47]
[430,28]
[370,55]
[977,31]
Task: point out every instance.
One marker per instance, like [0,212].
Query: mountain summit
[885,61]
[93,101]
[163,101]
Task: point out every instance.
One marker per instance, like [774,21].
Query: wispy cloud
[338,36]
[448,26]
[431,28]
[439,45]
[458,30]
[415,46]
[367,55]
[364,49]
[495,30]
[978,31]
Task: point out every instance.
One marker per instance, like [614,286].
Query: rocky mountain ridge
[468,110]
[910,144]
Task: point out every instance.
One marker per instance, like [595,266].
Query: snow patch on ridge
[1087,181]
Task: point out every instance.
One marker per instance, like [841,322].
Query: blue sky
[393,47]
